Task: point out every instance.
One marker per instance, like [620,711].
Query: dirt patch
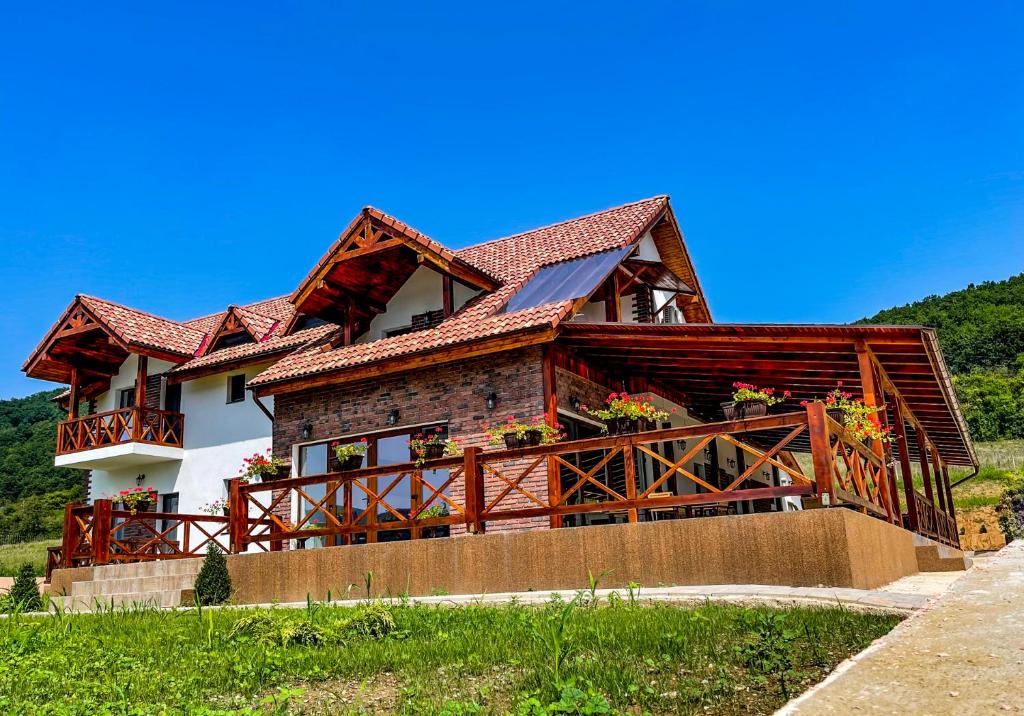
[980,529]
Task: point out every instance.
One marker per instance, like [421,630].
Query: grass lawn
[562,658]
[13,556]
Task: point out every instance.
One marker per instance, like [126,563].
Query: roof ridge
[248,306]
[181,324]
[565,221]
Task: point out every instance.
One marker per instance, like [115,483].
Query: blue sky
[180,157]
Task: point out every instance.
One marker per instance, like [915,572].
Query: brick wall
[455,393]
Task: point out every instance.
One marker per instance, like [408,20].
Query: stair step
[133,585]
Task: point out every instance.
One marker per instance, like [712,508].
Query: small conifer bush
[24,595]
[213,583]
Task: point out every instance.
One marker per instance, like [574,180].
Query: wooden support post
[612,304]
[473,475]
[554,472]
[71,537]
[955,537]
[415,499]
[448,295]
[821,452]
[140,397]
[903,452]
[238,516]
[873,399]
[629,458]
[73,397]
[922,455]
[101,528]
[939,489]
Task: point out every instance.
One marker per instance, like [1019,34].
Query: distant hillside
[32,490]
[981,330]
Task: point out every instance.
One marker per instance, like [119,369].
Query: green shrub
[24,594]
[213,583]
[375,621]
[1011,513]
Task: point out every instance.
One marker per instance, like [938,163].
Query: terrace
[798,457]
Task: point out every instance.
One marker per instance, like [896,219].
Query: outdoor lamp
[307,430]
[393,417]
[492,401]
[574,403]
[139,479]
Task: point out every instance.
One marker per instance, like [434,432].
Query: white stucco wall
[421,293]
[218,435]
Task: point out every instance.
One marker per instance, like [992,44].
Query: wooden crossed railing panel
[113,427]
[858,474]
[164,535]
[364,502]
[528,483]
[932,522]
[54,560]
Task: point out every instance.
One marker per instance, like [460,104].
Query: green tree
[24,593]
[213,583]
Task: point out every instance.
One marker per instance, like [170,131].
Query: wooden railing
[467,493]
[98,534]
[113,427]
[547,485]
[54,558]
[846,469]
[932,522]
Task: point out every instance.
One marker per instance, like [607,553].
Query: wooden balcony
[120,438]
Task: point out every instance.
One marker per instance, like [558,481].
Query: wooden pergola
[897,368]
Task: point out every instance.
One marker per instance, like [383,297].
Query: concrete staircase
[933,556]
[168,583]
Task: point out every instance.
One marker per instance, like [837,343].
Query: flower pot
[352,462]
[836,414]
[512,441]
[750,409]
[433,452]
[533,437]
[226,511]
[729,410]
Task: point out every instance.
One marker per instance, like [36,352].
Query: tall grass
[12,556]
[472,659]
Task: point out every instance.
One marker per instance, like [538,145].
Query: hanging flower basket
[264,466]
[515,434]
[624,414]
[433,445]
[836,414]
[139,499]
[350,455]
[512,441]
[749,401]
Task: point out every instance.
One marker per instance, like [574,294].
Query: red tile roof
[512,260]
[144,329]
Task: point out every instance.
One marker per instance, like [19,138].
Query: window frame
[231,400]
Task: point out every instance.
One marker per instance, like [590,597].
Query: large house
[392,334]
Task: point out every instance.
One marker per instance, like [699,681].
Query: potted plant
[264,466]
[141,498]
[852,413]
[216,507]
[433,445]
[624,413]
[515,434]
[750,401]
[350,455]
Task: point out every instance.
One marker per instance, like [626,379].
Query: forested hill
[981,330]
[32,490]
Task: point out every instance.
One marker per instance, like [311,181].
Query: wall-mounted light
[574,403]
[681,444]
[307,430]
[139,479]
[393,417]
[731,462]
[492,401]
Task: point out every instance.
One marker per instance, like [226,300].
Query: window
[126,397]
[236,388]
[383,448]
[172,397]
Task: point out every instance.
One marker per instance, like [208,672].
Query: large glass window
[398,497]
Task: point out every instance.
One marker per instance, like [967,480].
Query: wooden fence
[547,485]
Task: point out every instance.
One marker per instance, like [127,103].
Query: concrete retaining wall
[817,547]
[834,547]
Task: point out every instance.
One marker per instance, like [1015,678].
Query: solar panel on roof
[566,280]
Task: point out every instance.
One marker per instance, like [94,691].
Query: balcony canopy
[698,363]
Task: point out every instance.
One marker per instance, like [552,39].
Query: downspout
[261,406]
[965,479]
